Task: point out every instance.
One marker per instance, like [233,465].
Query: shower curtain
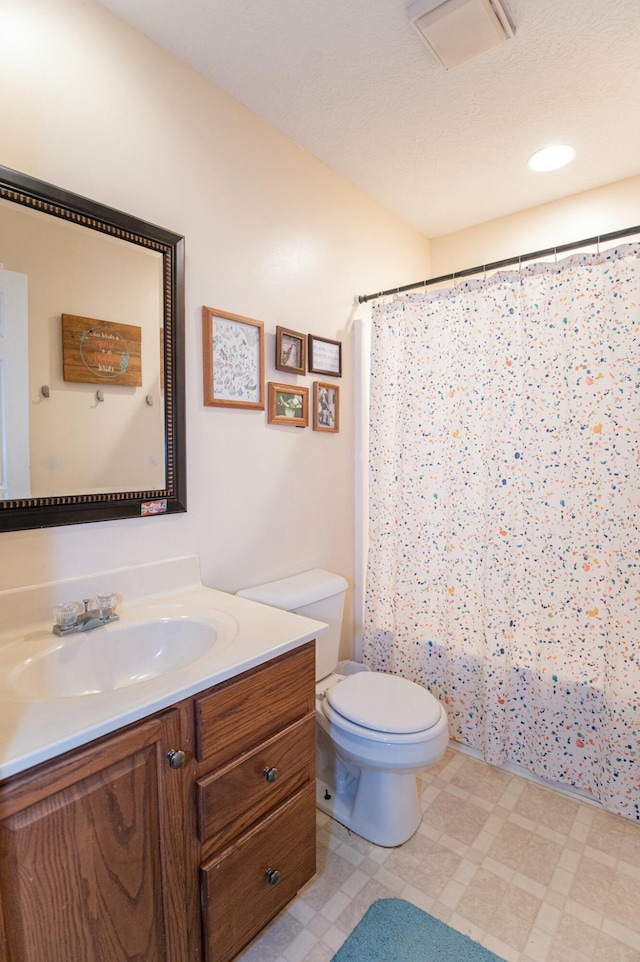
[503,568]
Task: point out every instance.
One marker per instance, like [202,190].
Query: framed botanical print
[233,360]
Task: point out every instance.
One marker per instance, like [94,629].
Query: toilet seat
[384,703]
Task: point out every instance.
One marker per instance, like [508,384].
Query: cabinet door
[92,856]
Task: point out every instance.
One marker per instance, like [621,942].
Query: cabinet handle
[176,758]
[270,774]
[272,876]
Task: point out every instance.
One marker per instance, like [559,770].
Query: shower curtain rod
[494,265]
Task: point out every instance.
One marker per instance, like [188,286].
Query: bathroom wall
[608,208]
[92,106]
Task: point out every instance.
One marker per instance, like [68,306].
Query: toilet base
[382,807]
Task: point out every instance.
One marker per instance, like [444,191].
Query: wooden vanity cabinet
[92,861]
[255,791]
[101,848]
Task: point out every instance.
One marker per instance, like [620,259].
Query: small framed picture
[325,357]
[288,404]
[326,407]
[290,351]
[233,360]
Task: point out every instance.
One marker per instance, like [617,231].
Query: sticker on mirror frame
[153,507]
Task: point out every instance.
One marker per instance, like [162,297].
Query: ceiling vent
[458,31]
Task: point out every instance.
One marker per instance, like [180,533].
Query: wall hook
[99,396]
[44,390]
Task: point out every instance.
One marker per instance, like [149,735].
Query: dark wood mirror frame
[82,508]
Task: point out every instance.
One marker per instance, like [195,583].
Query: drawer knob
[176,758]
[270,774]
[272,876]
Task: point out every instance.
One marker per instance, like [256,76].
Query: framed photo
[326,407]
[290,351]
[288,404]
[325,357]
[233,360]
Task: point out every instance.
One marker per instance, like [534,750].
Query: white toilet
[374,731]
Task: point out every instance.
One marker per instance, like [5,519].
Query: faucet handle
[67,614]
[106,605]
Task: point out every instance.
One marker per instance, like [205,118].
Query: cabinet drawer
[237,898]
[237,714]
[234,797]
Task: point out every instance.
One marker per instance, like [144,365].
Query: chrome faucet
[71,619]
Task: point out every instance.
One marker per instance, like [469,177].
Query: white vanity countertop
[33,730]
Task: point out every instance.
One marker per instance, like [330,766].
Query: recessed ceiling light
[552,158]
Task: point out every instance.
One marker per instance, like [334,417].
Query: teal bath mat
[396,931]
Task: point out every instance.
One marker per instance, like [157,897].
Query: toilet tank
[316,594]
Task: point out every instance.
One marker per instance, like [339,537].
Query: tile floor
[532,874]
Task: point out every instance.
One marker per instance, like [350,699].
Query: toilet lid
[384,703]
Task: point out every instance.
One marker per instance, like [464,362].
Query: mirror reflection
[59,437]
[92,421]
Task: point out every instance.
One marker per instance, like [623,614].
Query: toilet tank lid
[298,590]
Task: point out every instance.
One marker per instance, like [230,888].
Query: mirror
[91,360]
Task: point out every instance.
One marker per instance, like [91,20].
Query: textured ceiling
[351,81]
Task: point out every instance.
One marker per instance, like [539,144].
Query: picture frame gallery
[234,371]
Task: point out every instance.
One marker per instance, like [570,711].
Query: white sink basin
[124,653]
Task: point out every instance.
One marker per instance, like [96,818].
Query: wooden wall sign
[96,351]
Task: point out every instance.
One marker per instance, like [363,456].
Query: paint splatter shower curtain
[504,553]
